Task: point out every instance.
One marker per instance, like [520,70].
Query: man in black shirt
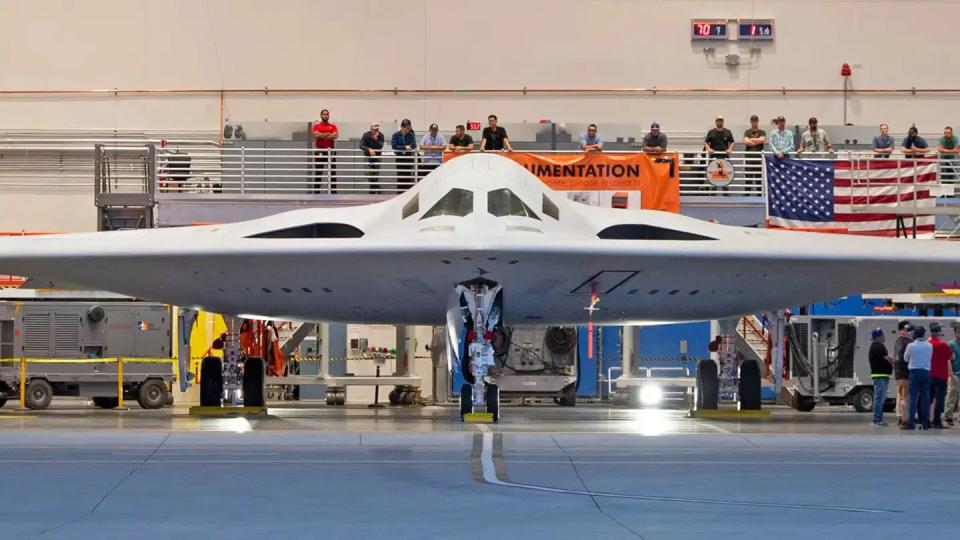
[371,146]
[719,141]
[901,369]
[753,141]
[881,367]
[461,141]
[494,138]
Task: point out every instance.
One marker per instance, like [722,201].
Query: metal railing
[249,171]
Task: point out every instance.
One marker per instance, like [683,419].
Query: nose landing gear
[482,302]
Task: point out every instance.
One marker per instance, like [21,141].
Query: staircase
[754,341]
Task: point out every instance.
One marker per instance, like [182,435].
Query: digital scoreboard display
[707,30]
[755,30]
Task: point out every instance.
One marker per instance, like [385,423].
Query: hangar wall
[140,44]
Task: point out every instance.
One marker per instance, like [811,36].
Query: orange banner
[645,181]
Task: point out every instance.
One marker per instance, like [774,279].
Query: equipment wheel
[254,377]
[707,391]
[863,400]
[568,396]
[211,382]
[39,394]
[152,394]
[804,403]
[106,402]
[466,400]
[394,396]
[492,395]
[748,390]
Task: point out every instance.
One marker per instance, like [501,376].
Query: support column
[630,343]
[406,349]
[778,332]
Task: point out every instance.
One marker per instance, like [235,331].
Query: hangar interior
[132,116]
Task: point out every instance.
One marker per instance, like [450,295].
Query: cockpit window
[550,209]
[457,202]
[503,202]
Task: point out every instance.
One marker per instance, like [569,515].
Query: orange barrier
[607,179]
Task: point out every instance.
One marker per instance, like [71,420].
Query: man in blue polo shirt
[590,140]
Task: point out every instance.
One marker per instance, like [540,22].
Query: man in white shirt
[918,356]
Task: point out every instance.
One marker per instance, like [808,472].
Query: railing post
[243,165]
[329,170]
[23,383]
[416,168]
[151,176]
[119,383]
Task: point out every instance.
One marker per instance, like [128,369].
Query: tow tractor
[480,312]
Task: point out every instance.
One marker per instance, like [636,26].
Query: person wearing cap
[404,145]
[953,386]
[432,145]
[881,367]
[949,150]
[883,144]
[918,355]
[753,140]
[815,139]
[781,139]
[371,146]
[901,371]
[654,142]
[461,140]
[494,137]
[719,141]
[590,140]
[913,144]
[325,135]
[940,364]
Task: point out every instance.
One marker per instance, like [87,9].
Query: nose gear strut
[482,302]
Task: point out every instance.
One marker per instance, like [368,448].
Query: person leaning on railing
[883,144]
[590,140]
[494,137]
[753,140]
[815,139]
[460,141]
[432,145]
[948,150]
[371,145]
[719,141]
[781,139]
[404,144]
[654,142]
[913,144]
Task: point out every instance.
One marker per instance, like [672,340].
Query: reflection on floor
[74,472]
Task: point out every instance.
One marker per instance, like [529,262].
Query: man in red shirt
[939,372]
[325,134]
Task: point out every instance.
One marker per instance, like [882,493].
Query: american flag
[858,196]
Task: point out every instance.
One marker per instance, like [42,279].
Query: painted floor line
[490,477]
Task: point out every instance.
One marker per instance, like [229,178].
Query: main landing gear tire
[211,382]
[492,395]
[863,400]
[39,394]
[152,394]
[254,389]
[748,389]
[466,401]
[707,391]
[106,402]
[568,396]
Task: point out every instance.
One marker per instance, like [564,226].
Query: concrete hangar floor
[542,472]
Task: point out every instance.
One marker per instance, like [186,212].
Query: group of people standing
[409,165]
[927,375]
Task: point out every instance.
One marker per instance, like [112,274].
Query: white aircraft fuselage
[399,261]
